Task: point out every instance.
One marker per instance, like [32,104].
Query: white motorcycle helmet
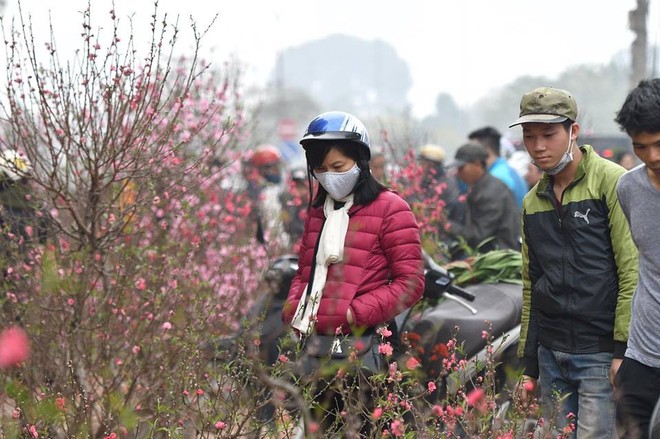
[14,165]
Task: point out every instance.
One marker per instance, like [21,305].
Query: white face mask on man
[339,184]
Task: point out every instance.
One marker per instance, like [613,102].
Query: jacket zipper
[559,211]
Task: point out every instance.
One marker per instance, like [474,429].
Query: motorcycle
[468,316]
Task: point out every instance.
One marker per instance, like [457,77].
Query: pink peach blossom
[14,347]
[385,349]
[475,396]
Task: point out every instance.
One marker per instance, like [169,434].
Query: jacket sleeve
[401,244]
[528,344]
[625,256]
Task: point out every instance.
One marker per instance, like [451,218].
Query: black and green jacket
[579,265]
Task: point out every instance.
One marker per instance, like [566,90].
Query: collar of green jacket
[587,155]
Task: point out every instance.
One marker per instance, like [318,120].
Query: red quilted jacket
[382,272]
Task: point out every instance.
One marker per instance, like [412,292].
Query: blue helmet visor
[336,125]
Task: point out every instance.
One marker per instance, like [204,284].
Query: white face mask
[565,159]
[339,184]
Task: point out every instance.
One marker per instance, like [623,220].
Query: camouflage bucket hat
[546,105]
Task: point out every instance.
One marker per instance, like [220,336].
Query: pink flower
[431,386]
[141,284]
[437,410]
[397,428]
[14,347]
[167,326]
[529,386]
[392,369]
[378,412]
[384,332]
[412,363]
[475,396]
[283,358]
[385,349]
[33,431]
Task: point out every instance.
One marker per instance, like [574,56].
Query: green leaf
[17,392]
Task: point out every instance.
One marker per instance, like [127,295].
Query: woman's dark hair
[367,187]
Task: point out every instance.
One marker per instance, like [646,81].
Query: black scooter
[448,312]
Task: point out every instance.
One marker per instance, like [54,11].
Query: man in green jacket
[579,269]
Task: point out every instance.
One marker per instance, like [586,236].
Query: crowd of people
[584,225]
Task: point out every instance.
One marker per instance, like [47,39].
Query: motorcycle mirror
[430,264]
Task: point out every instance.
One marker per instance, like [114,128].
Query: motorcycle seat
[498,309]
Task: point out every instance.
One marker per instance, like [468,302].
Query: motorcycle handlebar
[443,279]
[460,292]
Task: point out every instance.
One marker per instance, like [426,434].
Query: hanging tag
[336,347]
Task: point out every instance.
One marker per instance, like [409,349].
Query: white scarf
[331,251]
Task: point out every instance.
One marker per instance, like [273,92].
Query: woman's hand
[350,318]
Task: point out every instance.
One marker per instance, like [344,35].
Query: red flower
[441,349]
[60,403]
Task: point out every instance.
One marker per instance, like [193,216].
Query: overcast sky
[463,47]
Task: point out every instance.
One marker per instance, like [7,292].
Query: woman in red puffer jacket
[360,260]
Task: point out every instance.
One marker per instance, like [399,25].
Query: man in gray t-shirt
[638,380]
